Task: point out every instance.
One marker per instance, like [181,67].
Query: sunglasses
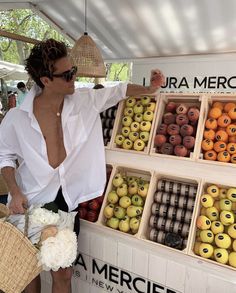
[67,75]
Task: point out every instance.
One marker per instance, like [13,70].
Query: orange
[214,113]
[229,106]
[209,133]
[223,156]
[232,113]
[210,155]
[231,130]
[221,135]
[232,138]
[211,123]
[219,105]
[219,146]
[233,159]
[224,120]
[231,148]
[207,144]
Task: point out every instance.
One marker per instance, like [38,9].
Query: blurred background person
[22,91]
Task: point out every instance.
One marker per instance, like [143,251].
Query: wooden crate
[193,236]
[128,171]
[118,126]
[211,98]
[165,209]
[189,100]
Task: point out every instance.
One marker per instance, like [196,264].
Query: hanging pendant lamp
[86,56]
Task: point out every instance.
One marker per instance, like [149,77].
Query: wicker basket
[18,261]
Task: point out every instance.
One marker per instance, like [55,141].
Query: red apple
[83,204]
[82,213]
[100,199]
[92,216]
[94,204]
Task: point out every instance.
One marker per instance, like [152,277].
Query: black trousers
[62,205]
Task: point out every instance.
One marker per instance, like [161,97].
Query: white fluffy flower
[41,216]
[59,251]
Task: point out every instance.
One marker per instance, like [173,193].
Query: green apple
[143,190]
[112,197]
[127,144]
[144,135]
[212,213]
[113,223]
[130,102]
[206,250]
[133,188]
[222,193]
[133,135]
[217,227]
[137,200]
[151,106]
[122,190]
[130,179]
[126,121]
[125,131]
[231,194]
[138,108]
[125,201]
[117,180]
[225,204]
[133,211]
[138,117]
[134,126]
[223,240]
[108,211]
[213,190]
[139,145]
[232,259]
[119,212]
[226,218]
[221,255]
[232,231]
[119,139]
[124,225]
[145,126]
[134,224]
[207,236]
[148,116]
[145,100]
[129,111]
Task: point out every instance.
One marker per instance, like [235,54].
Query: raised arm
[157,79]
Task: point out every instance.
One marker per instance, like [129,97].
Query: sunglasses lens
[69,75]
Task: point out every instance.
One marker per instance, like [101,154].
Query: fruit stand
[150,232]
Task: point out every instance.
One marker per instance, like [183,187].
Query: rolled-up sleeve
[7,155]
[107,97]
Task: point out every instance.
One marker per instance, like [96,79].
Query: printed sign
[114,279]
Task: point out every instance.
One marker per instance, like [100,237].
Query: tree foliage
[27,23]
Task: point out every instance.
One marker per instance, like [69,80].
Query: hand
[18,203]
[157,79]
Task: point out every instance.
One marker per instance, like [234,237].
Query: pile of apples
[136,122]
[219,136]
[125,203]
[89,210]
[216,225]
[177,131]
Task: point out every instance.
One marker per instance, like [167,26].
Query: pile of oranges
[219,142]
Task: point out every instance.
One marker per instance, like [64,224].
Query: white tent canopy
[10,71]
[131,29]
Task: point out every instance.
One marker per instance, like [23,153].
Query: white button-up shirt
[82,175]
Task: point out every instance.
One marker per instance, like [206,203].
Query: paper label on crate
[114,279]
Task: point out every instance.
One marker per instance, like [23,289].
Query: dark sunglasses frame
[67,75]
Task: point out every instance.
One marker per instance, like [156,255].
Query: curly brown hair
[42,59]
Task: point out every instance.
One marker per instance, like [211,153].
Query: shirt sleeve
[107,97]
[7,156]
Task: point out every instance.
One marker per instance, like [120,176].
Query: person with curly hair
[55,136]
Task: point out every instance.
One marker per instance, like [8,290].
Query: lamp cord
[85,16]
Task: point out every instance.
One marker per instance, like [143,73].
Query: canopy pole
[17,37]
